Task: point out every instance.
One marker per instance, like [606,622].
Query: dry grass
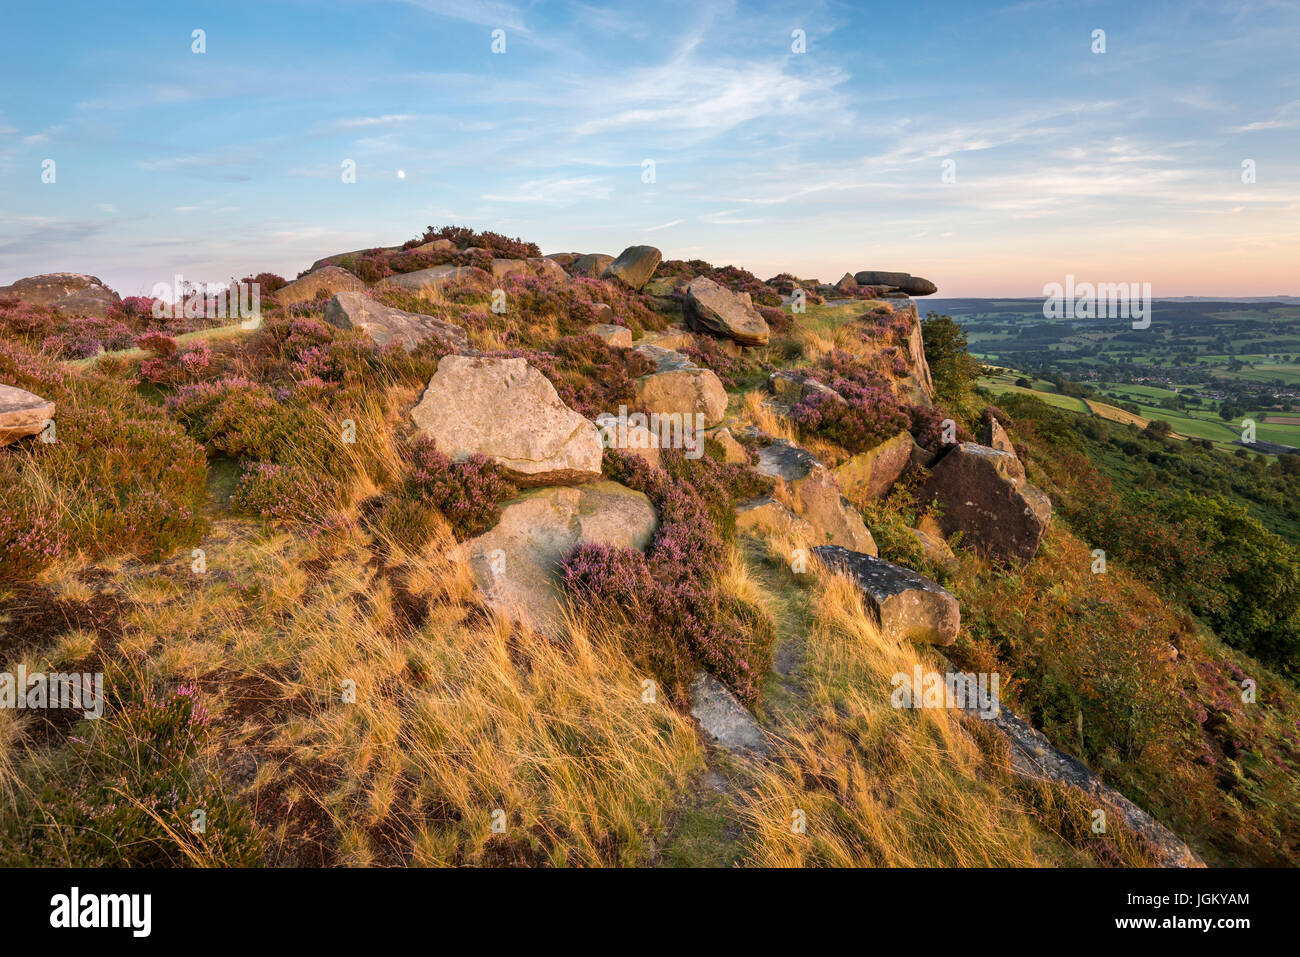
[451,713]
[879,786]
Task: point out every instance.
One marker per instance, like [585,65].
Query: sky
[987,147]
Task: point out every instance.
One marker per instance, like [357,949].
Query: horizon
[227,163]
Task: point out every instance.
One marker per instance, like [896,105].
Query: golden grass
[444,722]
[875,785]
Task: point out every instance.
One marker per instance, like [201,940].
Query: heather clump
[865,418]
[735,371]
[239,418]
[167,365]
[504,247]
[119,477]
[285,493]
[678,618]
[467,493]
[128,793]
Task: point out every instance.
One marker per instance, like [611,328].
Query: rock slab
[507,410]
[908,606]
[22,413]
[384,324]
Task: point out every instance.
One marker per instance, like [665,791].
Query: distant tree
[952,367]
[1024,383]
[1158,429]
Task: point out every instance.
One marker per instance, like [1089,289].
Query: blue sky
[1121,166]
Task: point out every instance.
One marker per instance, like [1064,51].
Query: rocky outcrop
[516,564]
[507,410]
[72,292]
[901,281]
[634,266]
[672,338]
[22,413]
[873,473]
[347,260]
[791,385]
[918,382]
[907,606]
[679,386]
[384,324]
[816,496]
[847,284]
[327,279]
[718,310]
[724,720]
[985,497]
[591,266]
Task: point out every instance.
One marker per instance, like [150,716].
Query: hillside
[452,553]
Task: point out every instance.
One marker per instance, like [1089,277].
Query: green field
[1188,423]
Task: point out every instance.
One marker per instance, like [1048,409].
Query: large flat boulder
[327,279]
[985,497]
[432,277]
[507,410]
[516,563]
[634,266]
[873,473]
[72,292]
[904,282]
[679,386]
[816,496]
[907,606]
[384,324]
[716,309]
[22,413]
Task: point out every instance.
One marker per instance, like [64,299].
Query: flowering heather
[284,493]
[120,477]
[503,247]
[867,417]
[240,418]
[672,590]
[86,336]
[125,794]
[467,493]
[731,369]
